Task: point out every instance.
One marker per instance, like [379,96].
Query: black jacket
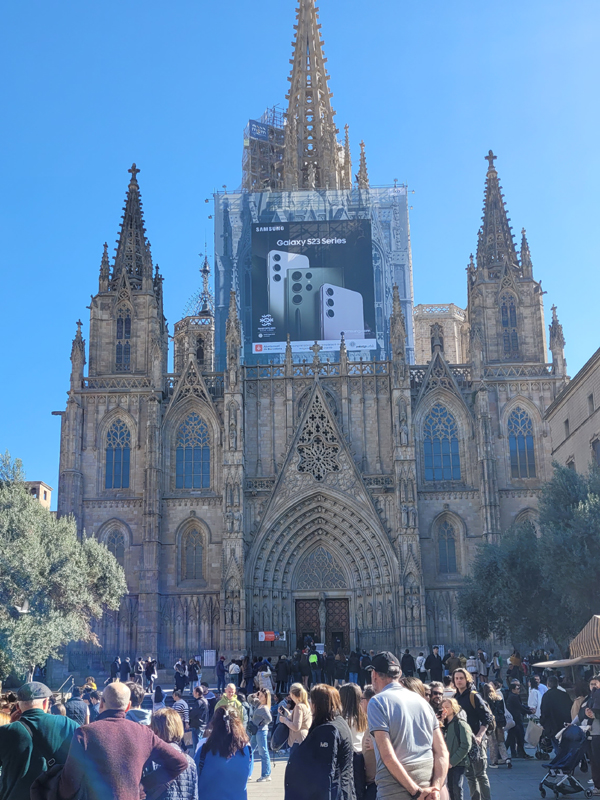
[330,664]
[516,707]
[282,670]
[114,669]
[556,710]
[125,670]
[322,766]
[407,663]
[476,709]
[199,714]
[353,663]
[435,666]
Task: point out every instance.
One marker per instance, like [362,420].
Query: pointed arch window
[447,548]
[118,450]
[115,541]
[200,351]
[192,455]
[440,445]
[123,347]
[510,336]
[192,554]
[520,443]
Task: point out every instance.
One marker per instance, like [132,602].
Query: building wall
[579,405]
[451,320]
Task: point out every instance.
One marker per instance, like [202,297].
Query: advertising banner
[271,636]
[312,281]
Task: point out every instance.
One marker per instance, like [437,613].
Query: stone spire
[526,265]
[77,358]
[557,346]
[495,246]
[398,339]
[347,182]
[233,340]
[362,176]
[203,302]
[104,270]
[133,249]
[310,131]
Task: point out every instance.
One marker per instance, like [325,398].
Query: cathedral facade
[339,497]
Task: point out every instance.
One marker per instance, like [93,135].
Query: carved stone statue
[236,614]
[285,619]
[379,616]
[256,618]
[413,517]
[405,516]
[389,615]
[232,436]
[322,615]
[360,617]
[228,612]
[275,618]
[369,615]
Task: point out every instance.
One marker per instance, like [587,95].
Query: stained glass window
[123,348]
[118,443]
[321,571]
[192,461]
[440,445]
[520,442]
[508,313]
[192,552]
[116,544]
[447,547]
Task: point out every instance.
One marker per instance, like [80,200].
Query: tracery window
[118,444]
[510,337]
[440,445]
[320,571]
[123,348]
[447,547]
[115,541]
[192,552]
[200,351]
[192,459]
[520,442]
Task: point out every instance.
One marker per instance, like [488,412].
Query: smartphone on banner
[303,287]
[278,262]
[341,310]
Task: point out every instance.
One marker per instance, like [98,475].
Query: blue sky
[88,88]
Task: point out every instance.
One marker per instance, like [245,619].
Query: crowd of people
[360,727]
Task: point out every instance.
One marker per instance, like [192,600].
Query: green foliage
[52,585]
[530,585]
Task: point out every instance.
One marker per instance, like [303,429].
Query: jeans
[515,739]
[353,677]
[455,782]
[476,774]
[220,683]
[316,676]
[595,760]
[263,751]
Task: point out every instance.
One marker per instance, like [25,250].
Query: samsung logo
[270,228]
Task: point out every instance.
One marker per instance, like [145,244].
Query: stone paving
[522,782]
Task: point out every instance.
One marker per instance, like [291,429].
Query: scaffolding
[264,147]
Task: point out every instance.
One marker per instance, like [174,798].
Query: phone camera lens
[276,277]
[277,267]
[330,313]
[309,287]
[329,292]
[296,287]
[330,302]
[309,275]
[276,257]
[297,299]
[296,275]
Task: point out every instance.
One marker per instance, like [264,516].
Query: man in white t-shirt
[412,759]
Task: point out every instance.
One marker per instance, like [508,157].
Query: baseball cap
[33,691]
[383,661]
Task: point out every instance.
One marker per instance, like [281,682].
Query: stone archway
[318,545]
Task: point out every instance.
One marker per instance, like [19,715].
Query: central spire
[496,245]
[133,249]
[314,159]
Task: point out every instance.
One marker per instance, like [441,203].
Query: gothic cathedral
[342,498]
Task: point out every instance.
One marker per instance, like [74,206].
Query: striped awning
[587,643]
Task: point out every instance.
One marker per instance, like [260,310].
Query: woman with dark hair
[225,759]
[158,700]
[321,767]
[247,675]
[355,716]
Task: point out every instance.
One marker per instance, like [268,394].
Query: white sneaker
[262,780]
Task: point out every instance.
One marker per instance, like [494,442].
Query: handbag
[533,733]
[510,720]
[188,739]
[279,737]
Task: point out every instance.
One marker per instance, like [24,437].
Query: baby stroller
[560,778]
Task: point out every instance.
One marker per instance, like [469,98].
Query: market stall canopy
[568,662]
[587,643]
